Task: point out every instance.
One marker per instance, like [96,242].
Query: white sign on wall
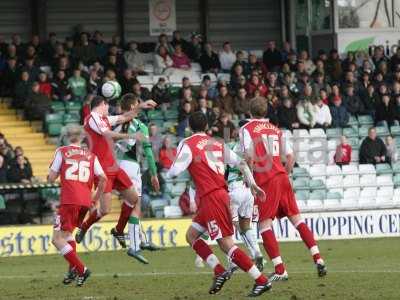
[162,17]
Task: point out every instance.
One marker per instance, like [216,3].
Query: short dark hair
[128,100]
[97,101]
[198,121]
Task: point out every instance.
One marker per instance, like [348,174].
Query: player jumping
[128,161]
[242,202]
[101,141]
[77,168]
[204,157]
[263,146]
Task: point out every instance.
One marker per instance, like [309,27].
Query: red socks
[126,210]
[271,246]
[245,263]
[93,218]
[308,239]
[205,252]
[70,255]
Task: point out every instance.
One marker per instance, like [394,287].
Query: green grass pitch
[357,269]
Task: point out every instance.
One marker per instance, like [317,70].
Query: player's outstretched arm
[182,160]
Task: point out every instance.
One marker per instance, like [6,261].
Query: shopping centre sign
[36,240]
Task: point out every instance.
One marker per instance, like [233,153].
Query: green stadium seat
[73,106]
[2,203]
[300,172]
[302,195]
[316,184]
[334,196]
[155,115]
[171,114]
[396,180]
[383,169]
[354,143]
[54,129]
[395,130]
[318,195]
[382,131]
[71,118]
[365,120]
[350,132]
[363,131]
[301,183]
[54,118]
[333,133]
[57,106]
[396,167]
[352,121]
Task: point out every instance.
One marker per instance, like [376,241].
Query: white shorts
[242,201]
[132,169]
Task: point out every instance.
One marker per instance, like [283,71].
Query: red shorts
[214,215]
[69,216]
[280,199]
[119,181]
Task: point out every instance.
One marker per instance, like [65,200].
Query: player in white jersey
[128,160]
[243,212]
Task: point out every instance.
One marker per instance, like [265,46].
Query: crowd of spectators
[14,166]
[301,92]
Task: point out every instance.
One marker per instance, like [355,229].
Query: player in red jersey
[204,157]
[77,169]
[101,142]
[264,146]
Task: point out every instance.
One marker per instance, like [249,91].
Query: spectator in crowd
[320,84]
[134,59]
[209,60]
[208,112]
[223,127]
[236,75]
[61,88]
[162,62]
[372,149]
[183,120]
[287,115]
[306,113]
[212,91]
[370,100]
[241,104]
[339,113]
[37,104]
[78,86]
[160,93]
[187,96]
[334,66]
[45,87]
[9,77]
[255,84]
[272,58]
[3,170]
[140,91]
[323,118]
[22,90]
[308,63]
[385,112]
[225,100]
[180,59]
[163,42]
[127,81]
[226,58]
[155,139]
[31,68]
[6,150]
[19,171]
[343,152]
[100,46]
[395,60]
[177,39]
[352,102]
[194,48]
[85,50]
[391,148]
[167,153]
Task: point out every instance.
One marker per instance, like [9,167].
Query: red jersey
[263,142]
[77,168]
[204,157]
[343,154]
[95,125]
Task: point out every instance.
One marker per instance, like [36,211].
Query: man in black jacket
[373,149]
[209,60]
[272,57]
[287,115]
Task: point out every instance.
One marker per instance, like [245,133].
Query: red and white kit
[95,126]
[77,168]
[263,142]
[205,158]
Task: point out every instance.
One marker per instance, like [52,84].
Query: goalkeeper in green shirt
[129,160]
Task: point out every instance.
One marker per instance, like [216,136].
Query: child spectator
[167,153]
[44,85]
[392,153]
[343,152]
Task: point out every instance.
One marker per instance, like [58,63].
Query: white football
[111,90]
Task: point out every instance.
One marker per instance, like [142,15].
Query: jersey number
[271,143]
[214,160]
[77,170]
